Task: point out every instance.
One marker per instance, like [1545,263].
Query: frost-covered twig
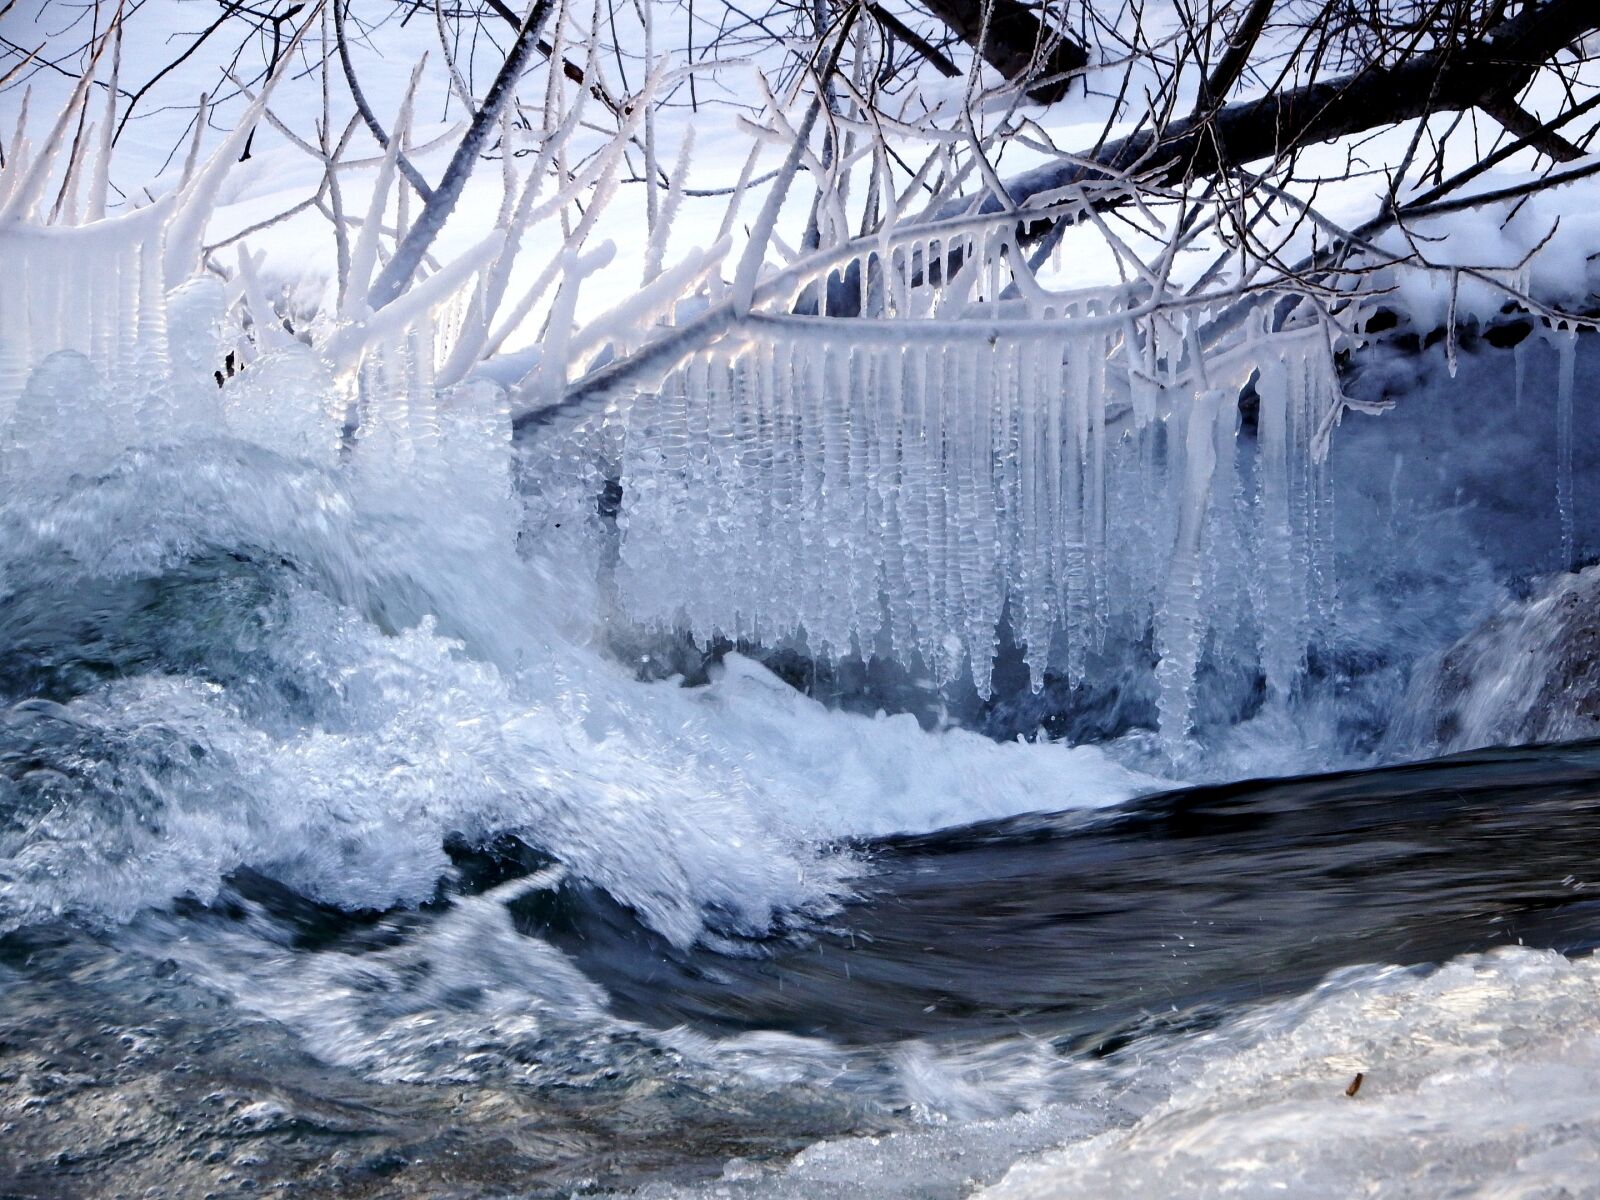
[442,201]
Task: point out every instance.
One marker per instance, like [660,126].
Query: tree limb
[1214,91]
[413,176]
[436,210]
[1012,41]
[936,57]
[1520,122]
[569,68]
[1445,80]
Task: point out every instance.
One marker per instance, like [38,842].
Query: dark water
[125,1070]
[1079,925]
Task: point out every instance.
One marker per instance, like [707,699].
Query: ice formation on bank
[1479,1080]
[1529,673]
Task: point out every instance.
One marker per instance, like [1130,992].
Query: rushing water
[524,1034]
[336,859]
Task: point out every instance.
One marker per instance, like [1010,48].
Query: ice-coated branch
[662,227]
[550,377]
[601,174]
[413,176]
[474,341]
[269,333]
[364,255]
[32,177]
[344,350]
[100,180]
[185,234]
[441,203]
[640,312]
[744,278]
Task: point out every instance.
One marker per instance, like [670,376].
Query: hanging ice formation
[111,336]
[893,485]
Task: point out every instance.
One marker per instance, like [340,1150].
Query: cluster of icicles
[908,489]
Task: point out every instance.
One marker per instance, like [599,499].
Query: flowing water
[335,859]
[521,1033]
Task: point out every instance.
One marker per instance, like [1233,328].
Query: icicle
[1519,357]
[985,591]
[1567,356]
[1139,356]
[812,560]
[1451,346]
[944,515]
[154,362]
[762,455]
[836,506]
[918,473]
[891,484]
[1282,555]
[14,349]
[20,151]
[876,492]
[1179,627]
[1038,526]
[127,285]
[1095,399]
[865,503]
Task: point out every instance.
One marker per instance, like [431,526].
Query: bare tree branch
[1015,42]
[1449,79]
[1519,121]
[436,209]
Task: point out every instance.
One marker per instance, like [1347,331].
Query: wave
[216,654]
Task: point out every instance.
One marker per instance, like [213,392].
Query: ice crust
[1479,1080]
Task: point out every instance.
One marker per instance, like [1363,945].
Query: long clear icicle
[1567,353]
[1180,627]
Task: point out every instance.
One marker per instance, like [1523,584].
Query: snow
[1479,1081]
